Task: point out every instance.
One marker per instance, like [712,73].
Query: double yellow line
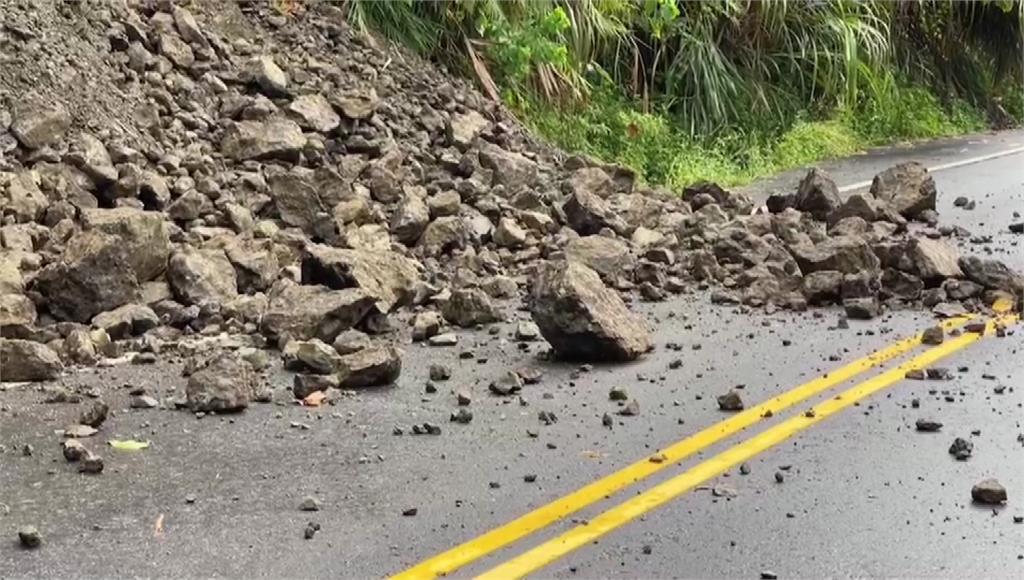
[543,516]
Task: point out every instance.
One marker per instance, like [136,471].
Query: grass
[660,150]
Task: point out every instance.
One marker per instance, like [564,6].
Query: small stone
[91,464]
[607,421]
[445,339]
[95,415]
[617,394]
[29,537]
[508,384]
[988,491]
[410,512]
[73,450]
[527,331]
[190,499]
[961,449]
[310,504]
[440,372]
[310,530]
[939,374]
[632,409]
[915,374]
[462,416]
[143,402]
[730,401]
[779,478]
[928,425]
[530,477]
[744,469]
[933,335]
[768,575]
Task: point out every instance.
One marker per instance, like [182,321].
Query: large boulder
[609,257]
[37,125]
[143,234]
[16,310]
[468,307]
[24,360]
[370,367]
[305,312]
[223,383]
[992,274]
[845,254]
[256,263]
[817,195]
[202,276]
[128,320]
[274,139]
[907,187]
[93,275]
[510,169]
[387,276]
[588,214]
[583,319]
[934,260]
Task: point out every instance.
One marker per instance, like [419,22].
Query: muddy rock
[583,319]
[23,360]
[222,383]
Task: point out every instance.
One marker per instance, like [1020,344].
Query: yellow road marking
[472,550]
[628,510]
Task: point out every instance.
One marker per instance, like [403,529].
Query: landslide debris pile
[226,176]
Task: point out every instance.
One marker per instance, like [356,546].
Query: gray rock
[351,341]
[730,401]
[445,234]
[269,77]
[907,187]
[961,449]
[508,234]
[305,312]
[202,277]
[127,320]
[94,275]
[510,169]
[387,276]
[609,257]
[817,195]
[37,125]
[463,129]
[318,356]
[468,307]
[992,274]
[410,219]
[849,255]
[927,425]
[588,214]
[356,104]
[989,491]
[23,360]
[176,50]
[188,28]
[90,155]
[583,319]
[370,367]
[143,234]
[313,112]
[426,325]
[16,310]
[29,537]
[934,260]
[222,383]
[933,335]
[274,139]
[864,308]
[255,262]
[822,286]
[527,331]
[94,415]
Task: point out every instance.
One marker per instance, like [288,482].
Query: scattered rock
[933,335]
[583,319]
[988,491]
[222,383]
[309,504]
[23,360]
[29,537]
[928,425]
[730,401]
[961,449]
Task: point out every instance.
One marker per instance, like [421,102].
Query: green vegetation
[726,90]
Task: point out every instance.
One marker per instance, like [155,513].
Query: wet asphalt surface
[868,496]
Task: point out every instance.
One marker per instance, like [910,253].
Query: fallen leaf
[128,444]
[314,399]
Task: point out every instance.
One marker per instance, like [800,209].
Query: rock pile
[280,178]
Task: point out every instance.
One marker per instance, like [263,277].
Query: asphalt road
[864,493]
